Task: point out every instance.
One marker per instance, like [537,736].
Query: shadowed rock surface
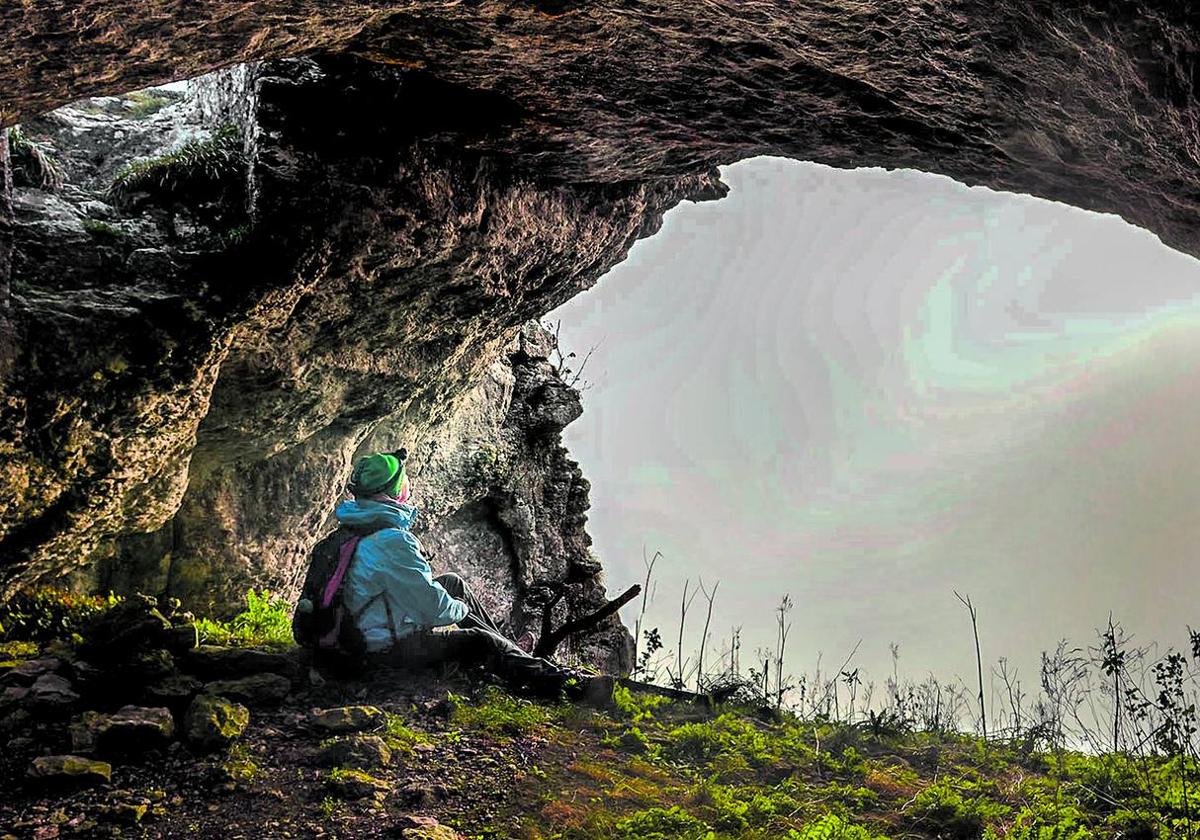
[186,381]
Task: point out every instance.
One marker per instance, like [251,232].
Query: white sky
[868,389]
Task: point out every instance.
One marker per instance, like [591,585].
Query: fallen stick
[550,641]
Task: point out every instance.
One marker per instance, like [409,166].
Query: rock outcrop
[194,379]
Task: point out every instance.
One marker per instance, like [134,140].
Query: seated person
[409,617]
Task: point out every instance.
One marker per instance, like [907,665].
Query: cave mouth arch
[869,388]
[483,228]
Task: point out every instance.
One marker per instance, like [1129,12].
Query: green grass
[499,713]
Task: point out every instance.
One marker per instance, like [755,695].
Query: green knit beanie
[379,473]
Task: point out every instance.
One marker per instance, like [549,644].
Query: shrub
[954,814]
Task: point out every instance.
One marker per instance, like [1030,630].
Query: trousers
[477,641]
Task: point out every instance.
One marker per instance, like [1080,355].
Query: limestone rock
[69,769]
[173,691]
[355,784]
[257,690]
[358,752]
[413,827]
[211,662]
[343,719]
[213,722]
[51,694]
[128,731]
[25,673]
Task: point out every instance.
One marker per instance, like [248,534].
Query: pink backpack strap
[335,581]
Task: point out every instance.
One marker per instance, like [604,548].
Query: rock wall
[189,396]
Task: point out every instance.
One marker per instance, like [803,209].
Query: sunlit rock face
[188,395]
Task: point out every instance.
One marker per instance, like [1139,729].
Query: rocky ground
[183,741]
[131,730]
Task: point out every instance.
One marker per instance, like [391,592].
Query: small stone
[20,743]
[360,752]
[69,769]
[51,693]
[83,731]
[214,722]
[419,795]
[347,718]
[174,692]
[258,690]
[412,827]
[355,784]
[130,813]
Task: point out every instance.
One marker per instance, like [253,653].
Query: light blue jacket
[389,573]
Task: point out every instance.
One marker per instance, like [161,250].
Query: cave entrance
[868,389]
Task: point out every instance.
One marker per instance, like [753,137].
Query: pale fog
[869,389]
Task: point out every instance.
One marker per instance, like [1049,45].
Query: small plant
[267,620]
[239,766]
[33,162]
[833,827]
[204,176]
[400,737]
[329,806]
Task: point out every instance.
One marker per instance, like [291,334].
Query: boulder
[210,662]
[358,752]
[83,731]
[69,770]
[347,718]
[258,690]
[132,626]
[213,722]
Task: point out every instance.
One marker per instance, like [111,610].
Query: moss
[240,766]
[102,230]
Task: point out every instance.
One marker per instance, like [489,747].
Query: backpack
[321,620]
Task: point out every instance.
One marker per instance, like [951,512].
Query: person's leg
[502,657]
[478,616]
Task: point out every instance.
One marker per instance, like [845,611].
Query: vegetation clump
[204,177]
[266,621]
[44,613]
[33,162]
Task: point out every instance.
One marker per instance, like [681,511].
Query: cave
[403,191]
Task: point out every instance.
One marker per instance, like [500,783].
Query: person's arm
[409,582]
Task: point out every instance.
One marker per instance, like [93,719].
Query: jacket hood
[373,513]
